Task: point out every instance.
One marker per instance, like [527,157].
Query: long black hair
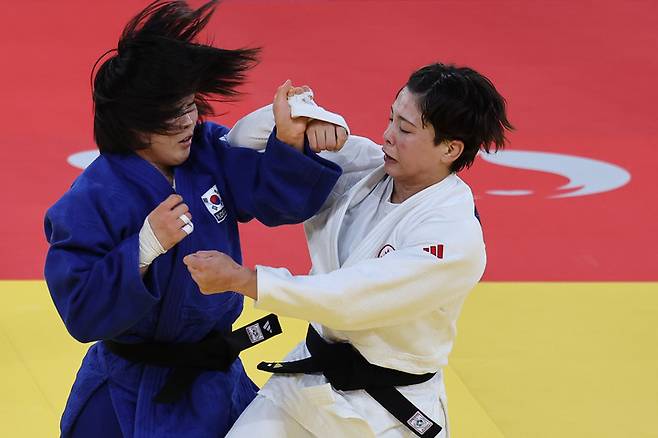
[141,86]
[461,104]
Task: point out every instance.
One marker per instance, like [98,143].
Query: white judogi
[396,297]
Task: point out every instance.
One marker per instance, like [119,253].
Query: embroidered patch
[419,423]
[435,250]
[213,202]
[255,334]
[385,250]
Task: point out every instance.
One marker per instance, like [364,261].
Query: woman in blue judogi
[166,185]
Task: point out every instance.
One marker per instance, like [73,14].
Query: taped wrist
[149,245]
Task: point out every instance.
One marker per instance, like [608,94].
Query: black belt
[346,369]
[216,352]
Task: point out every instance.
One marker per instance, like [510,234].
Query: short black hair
[157,64]
[461,104]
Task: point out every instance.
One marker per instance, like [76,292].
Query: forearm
[247,283]
[375,293]
[296,141]
[280,186]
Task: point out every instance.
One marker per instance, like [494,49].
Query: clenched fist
[167,221]
[322,136]
[215,272]
[325,136]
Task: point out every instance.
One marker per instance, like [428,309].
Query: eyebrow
[403,119]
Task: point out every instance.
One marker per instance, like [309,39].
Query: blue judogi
[93,276]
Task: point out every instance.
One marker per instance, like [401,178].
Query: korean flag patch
[214,204]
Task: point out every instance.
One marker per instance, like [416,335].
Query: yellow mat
[532,360]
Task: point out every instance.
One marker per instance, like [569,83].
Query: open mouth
[387,157]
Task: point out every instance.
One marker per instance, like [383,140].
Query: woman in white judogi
[395,251]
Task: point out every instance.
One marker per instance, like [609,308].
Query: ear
[143,137]
[452,150]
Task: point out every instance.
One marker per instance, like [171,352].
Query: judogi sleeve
[358,157]
[279,186]
[92,273]
[379,292]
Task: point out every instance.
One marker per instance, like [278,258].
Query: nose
[388,134]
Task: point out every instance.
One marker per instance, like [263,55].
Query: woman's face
[166,151]
[411,157]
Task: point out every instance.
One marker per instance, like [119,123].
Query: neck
[166,171]
[403,190]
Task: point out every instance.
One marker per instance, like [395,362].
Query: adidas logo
[267,327]
[435,250]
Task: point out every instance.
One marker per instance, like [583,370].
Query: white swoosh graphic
[82,159]
[586,175]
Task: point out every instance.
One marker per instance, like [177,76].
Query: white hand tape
[303,105]
[189,226]
[149,245]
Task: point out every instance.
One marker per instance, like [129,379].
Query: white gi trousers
[264,419]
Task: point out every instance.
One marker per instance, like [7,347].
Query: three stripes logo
[267,326]
[435,250]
